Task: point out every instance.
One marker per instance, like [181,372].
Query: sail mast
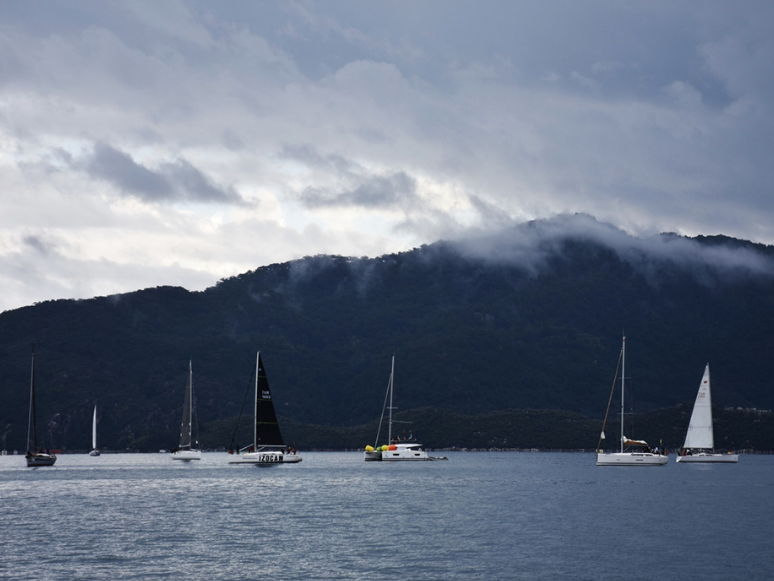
[623,374]
[392,375]
[190,404]
[255,417]
[31,421]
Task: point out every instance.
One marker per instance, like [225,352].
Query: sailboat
[186,450]
[94,449]
[396,449]
[632,452]
[699,443]
[268,447]
[35,457]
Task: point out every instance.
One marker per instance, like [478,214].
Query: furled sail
[185,425]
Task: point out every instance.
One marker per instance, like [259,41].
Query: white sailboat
[268,447]
[632,452]
[188,448]
[94,449]
[699,443]
[35,457]
[396,449]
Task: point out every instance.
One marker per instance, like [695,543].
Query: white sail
[700,427]
[94,430]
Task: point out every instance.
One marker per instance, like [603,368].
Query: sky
[179,143]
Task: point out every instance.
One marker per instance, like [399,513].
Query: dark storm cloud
[178,180]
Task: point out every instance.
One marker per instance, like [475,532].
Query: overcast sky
[151,143]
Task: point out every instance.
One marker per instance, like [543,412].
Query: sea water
[478,515]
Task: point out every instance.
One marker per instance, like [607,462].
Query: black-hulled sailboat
[35,457]
[188,449]
[268,447]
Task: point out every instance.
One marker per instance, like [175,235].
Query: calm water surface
[334,516]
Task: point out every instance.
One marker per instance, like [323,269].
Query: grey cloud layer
[413,121]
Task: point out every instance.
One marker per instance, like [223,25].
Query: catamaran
[189,446]
[35,457]
[632,452]
[268,447]
[94,449]
[699,443]
[397,449]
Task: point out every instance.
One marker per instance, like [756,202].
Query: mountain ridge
[527,318]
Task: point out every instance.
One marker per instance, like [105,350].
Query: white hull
[710,458]
[404,454]
[187,455]
[259,458]
[94,453]
[401,453]
[631,459]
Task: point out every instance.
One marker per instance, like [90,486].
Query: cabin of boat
[412,451]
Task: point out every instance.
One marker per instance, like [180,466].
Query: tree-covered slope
[528,319]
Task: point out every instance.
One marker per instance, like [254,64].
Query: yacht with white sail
[188,449]
[268,447]
[699,443]
[631,452]
[94,449]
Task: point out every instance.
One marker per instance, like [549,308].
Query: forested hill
[530,318]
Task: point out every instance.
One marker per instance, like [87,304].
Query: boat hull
[710,458]
[186,455]
[374,456]
[40,460]
[94,453]
[404,453]
[631,459]
[258,458]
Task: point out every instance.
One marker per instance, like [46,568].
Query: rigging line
[384,407]
[610,399]
[244,401]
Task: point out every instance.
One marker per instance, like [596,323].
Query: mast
[255,417]
[185,424]
[623,374]
[31,427]
[392,375]
[190,404]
